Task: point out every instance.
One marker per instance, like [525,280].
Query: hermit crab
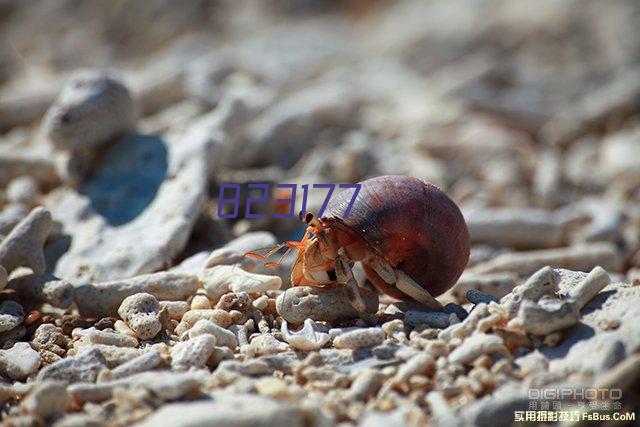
[411,239]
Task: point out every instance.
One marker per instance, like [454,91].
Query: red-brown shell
[410,223]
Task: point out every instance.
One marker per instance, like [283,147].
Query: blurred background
[527,113]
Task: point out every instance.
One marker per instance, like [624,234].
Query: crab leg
[344,276]
[403,282]
[407,285]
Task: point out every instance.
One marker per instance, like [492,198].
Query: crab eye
[308,217]
[300,216]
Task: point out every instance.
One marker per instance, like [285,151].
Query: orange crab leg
[290,244]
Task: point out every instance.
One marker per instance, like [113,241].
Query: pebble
[176,309]
[307,338]
[578,257]
[140,313]
[223,336]
[360,338]
[476,297]
[20,361]
[11,315]
[23,246]
[104,299]
[4,277]
[241,410]
[433,319]
[47,399]
[92,108]
[222,279]
[220,317]
[475,346]
[82,368]
[193,353]
[328,303]
[145,362]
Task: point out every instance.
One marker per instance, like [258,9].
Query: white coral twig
[307,338]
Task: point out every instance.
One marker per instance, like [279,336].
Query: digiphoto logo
[574,404]
[568,393]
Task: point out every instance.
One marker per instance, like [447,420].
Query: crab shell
[412,224]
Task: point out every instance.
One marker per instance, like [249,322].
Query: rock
[175,309]
[11,315]
[579,257]
[475,346]
[11,215]
[222,279]
[164,385]
[543,282]
[19,361]
[220,317]
[49,336]
[110,337]
[264,344]
[620,154]
[49,289]
[359,338]
[103,299]
[34,160]
[82,368]
[47,399]
[193,353]
[144,362]
[3,277]
[22,190]
[92,109]
[140,313]
[223,336]
[23,246]
[228,409]
[128,221]
[475,296]
[294,123]
[233,252]
[327,303]
[516,228]
[113,355]
[307,338]
[433,319]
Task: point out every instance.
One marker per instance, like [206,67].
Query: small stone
[433,319]
[82,368]
[457,309]
[19,361]
[47,399]
[176,309]
[226,409]
[475,346]
[264,344]
[223,336]
[23,246]
[327,303]
[23,189]
[140,312]
[11,315]
[92,109]
[307,338]
[474,296]
[193,353]
[360,338]
[220,317]
[219,280]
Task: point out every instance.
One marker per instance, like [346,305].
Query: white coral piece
[307,338]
